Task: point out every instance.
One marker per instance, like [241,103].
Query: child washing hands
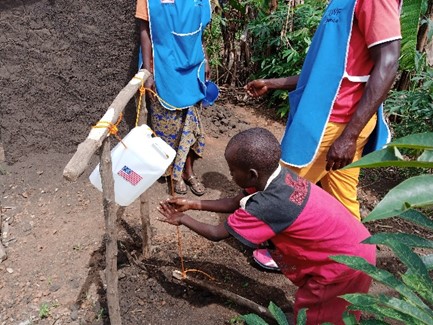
[303,223]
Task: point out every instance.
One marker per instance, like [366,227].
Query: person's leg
[168,125]
[196,186]
[323,301]
[343,184]
[315,171]
[193,140]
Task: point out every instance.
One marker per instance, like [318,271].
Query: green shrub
[412,300]
[411,111]
[281,42]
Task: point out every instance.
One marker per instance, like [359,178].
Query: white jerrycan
[137,166]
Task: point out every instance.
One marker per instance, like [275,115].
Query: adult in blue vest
[336,102]
[171,34]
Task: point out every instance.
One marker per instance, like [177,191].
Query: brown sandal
[196,186]
[180,187]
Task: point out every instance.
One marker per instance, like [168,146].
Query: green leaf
[409,19]
[253,319]
[373,322]
[427,156]
[390,156]
[428,261]
[379,158]
[407,308]
[278,314]
[418,218]
[411,193]
[415,283]
[301,319]
[370,304]
[403,238]
[349,319]
[380,275]
[416,268]
[414,141]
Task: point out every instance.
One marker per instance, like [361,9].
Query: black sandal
[196,186]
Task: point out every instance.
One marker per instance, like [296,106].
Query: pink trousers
[323,302]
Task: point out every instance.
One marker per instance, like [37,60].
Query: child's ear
[254,174]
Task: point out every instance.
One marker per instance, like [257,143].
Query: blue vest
[176,28]
[319,82]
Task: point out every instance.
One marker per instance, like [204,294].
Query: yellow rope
[182,264]
[179,245]
[142,91]
[112,127]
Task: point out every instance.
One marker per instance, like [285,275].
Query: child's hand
[172,216]
[182,204]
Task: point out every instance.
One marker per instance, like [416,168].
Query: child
[304,224]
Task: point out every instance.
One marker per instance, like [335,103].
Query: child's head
[252,151]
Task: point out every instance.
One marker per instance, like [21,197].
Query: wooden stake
[258,309]
[85,150]
[110,216]
[145,226]
[144,198]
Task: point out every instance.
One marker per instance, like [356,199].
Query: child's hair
[256,148]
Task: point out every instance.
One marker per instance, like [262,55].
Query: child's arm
[226,205]
[174,217]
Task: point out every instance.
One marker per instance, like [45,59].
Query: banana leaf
[415,192]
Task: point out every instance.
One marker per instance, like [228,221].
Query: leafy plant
[411,111]
[410,18]
[413,298]
[281,42]
[277,313]
[44,310]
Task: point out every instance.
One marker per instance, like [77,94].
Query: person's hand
[341,153]
[172,216]
[150,84]
[182,204]
[256,88]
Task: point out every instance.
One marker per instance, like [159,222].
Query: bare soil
[61,65]
[54,273]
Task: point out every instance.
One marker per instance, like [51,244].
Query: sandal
[180,187]
[263,258]
[196,186]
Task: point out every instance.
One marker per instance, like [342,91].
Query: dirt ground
[54,273]
[61,64]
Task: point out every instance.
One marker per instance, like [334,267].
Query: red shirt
[375,22]
[305,224]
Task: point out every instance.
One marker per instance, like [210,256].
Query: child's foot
[263,258]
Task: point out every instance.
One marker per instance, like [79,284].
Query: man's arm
[385,57]
[259,87]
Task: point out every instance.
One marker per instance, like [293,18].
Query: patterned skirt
[182,130]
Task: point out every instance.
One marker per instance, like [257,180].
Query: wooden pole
[144,198]
[78,164]
[110,216]
[242,301]
[85,150]
[145,226]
